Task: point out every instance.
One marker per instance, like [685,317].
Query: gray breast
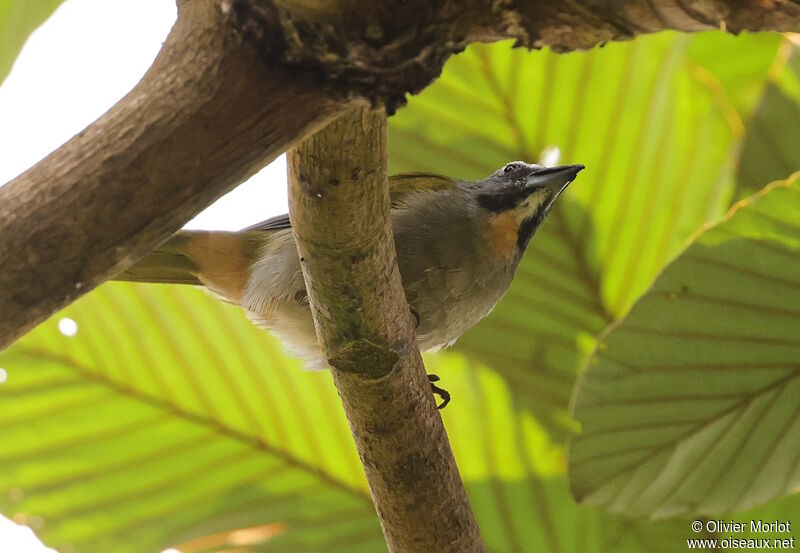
[449,278]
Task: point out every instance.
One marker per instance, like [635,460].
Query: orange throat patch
[502,234]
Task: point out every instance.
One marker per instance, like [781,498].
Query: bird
[458,246]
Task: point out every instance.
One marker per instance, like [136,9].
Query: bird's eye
[509,168]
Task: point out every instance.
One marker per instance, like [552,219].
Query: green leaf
[658,146]
[170,420]
[771,149]
[169,416]
[17,21]
[538,516]
[690,405]
[514,475]
[737,66]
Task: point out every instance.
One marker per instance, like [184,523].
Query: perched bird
[458,245]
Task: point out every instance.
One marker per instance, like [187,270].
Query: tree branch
[213,109]
[207,115]
[339,206]
[382,50]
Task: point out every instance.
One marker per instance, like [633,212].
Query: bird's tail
[169,263]
[221,261]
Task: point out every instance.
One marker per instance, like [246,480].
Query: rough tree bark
[339,206]
[381,50]
[207,115]
[240,81]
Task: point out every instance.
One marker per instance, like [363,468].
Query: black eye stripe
[528,227]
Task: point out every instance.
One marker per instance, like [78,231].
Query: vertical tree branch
[339,205]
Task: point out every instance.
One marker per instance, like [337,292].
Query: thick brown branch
[207,115]
[382,50]
[339,204]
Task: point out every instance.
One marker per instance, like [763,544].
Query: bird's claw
[442,393]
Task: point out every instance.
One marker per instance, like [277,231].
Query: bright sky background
[77,65]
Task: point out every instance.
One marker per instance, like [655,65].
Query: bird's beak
[555,179]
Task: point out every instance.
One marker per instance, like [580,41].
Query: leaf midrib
[177,411]
[746,399]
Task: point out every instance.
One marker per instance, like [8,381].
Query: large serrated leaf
[170,420]
[168,416]
[134,435]
[691,405]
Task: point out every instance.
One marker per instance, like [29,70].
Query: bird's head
[516,198]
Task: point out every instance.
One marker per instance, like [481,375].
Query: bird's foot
[442,393]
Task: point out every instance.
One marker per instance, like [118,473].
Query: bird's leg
[442,393]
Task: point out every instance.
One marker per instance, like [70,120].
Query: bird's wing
[399,187]
[279,222]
